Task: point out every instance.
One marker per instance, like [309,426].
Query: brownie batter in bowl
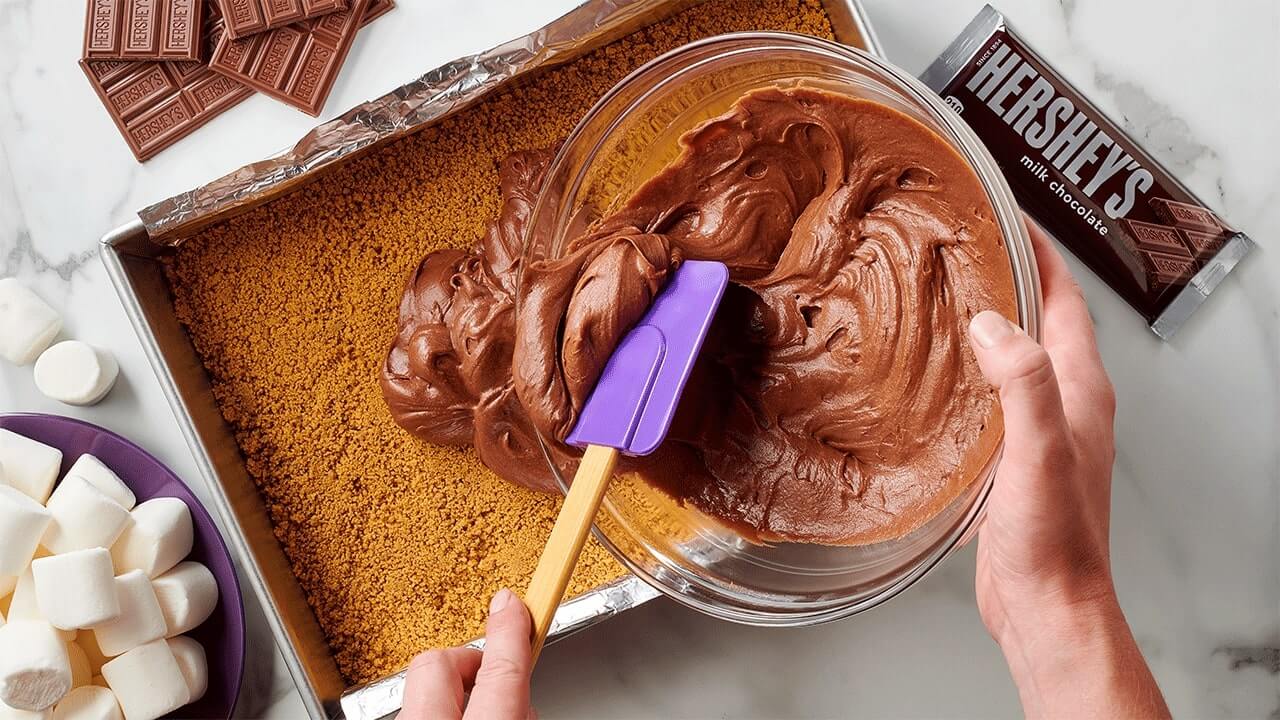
[837,439]
[839,401]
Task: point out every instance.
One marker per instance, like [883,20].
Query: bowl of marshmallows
[118,599]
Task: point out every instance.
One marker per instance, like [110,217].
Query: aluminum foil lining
[381,698]
[411,107]
[436,94]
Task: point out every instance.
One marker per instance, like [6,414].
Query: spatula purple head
[636,396]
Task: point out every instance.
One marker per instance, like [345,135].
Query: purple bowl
[222,635]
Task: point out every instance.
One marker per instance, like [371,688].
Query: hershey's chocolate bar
[296,64]
[155,104]
[1083,179]
[246,17]
[143,30]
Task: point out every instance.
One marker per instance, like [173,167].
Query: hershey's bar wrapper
[1083,179]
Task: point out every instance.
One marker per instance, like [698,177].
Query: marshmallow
[76,589]
[88,644]
[24,605]
[147,681]
[193,663]
[160,537]
[30,466]
[80,672]
[35,671]
[100,476]
[187,595]
[76,373]
[23,522]
[88,703]
[27,323]
[140,620]
[7,582]
[8,713]
[99,681]
[83,517]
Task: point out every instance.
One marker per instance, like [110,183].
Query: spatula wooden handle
[559,557]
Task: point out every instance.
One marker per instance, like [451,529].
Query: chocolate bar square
[1203,244]
[1149,236]
[1165,269]
[1185,215]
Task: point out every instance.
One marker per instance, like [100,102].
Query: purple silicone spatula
[629,411]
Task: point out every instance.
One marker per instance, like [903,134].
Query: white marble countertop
[1197,480]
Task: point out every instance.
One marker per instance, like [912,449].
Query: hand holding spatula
[629,411]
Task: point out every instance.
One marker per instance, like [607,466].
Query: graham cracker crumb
[397,544]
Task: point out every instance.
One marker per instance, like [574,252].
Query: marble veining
[1267,658]
[1197,478]
[24,252]
[1153,125]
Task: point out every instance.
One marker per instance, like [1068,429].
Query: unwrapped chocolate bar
[155,104]
[246,17]
[296,64]
[143,30]
[1083,179]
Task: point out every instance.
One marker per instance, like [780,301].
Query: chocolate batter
[836,400]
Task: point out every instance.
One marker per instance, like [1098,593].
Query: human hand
[463,683]
[1045,537]
[1044,583]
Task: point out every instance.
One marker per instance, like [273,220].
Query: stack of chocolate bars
[165,67]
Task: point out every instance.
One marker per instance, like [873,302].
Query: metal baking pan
[131,254]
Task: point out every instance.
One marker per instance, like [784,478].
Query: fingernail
[501,600]
[988,328]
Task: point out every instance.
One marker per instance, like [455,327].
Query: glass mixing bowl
[628,137]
